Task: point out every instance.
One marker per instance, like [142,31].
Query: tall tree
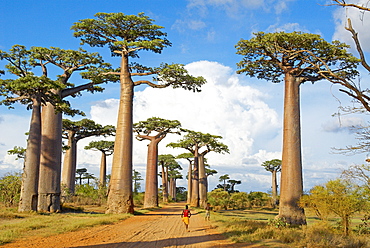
[173,174]
[294,58]
[190,158]
[210,144]
[33,91]
[75,131]
[273,166]
[90,66]
[165,160]
[155,130]
[106,149]
[199,144]
[126,35]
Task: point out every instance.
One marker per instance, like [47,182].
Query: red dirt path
[160,228]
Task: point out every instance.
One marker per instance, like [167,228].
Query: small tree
[338,197]
[223,179]
[273,166]
[136,177]
[232,183]
[80,173]
[106,149]
[10,189]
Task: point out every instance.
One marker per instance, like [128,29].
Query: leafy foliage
[336,197]
[10,188]
[269,55]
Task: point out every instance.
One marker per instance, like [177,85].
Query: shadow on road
[172,242]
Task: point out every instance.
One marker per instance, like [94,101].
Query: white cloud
[12,133]
[225,107]
[342,124]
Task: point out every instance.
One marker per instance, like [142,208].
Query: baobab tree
[173,175]
[106,149]
[33,91]
[223,180]
[273,166]
[126,35]
[155,130]
[165,160]
[90,66]
[199,144]
[190,158]
[75,131]
[294,58]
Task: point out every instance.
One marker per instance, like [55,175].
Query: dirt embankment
[159,228]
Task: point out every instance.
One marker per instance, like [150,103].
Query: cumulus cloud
[226,107]
[12,133]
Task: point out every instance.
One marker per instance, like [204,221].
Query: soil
[159,228]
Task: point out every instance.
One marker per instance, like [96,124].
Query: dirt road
[159,228]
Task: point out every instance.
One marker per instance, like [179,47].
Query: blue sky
[247,112]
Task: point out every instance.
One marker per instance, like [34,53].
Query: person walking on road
[185,215]
[208,211]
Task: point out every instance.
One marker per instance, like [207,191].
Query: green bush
[239,200]
[86,194]
[138,199]
[219,198]
[10,188]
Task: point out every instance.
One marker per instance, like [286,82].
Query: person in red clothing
[185,217]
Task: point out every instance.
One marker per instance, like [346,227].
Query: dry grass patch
[19,225]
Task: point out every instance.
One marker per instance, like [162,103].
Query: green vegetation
[10,189]
[260,227]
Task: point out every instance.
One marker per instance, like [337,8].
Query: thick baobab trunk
[69,166]
[291,170]
[120,197]
[30,176]
[274,188]
[50,160]
[151,183]
[103,170]
[164,185]
[202,182]
[190,176]
[195,183]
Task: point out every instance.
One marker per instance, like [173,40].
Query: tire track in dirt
[160,228]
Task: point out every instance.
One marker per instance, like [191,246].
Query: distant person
[185,217]
[208,211]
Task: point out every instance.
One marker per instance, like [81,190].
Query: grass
[252,227]
[15,225]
